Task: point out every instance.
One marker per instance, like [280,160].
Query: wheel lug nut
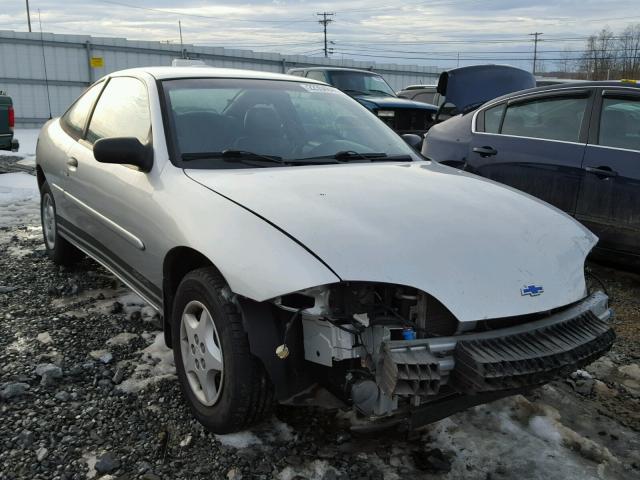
[197,363]
[202,347]
[193,349]
[196,338]
[202,363]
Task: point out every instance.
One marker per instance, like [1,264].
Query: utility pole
[324,22]
[535,36]
[28,16]
[181,46]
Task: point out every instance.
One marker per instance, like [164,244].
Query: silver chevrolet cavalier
[301,252]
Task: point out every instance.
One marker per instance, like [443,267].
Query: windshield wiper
[232,156]
[345,156]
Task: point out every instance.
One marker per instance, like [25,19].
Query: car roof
[337,69]
[166,73]
[570,86]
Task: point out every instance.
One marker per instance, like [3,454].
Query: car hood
[393,102]
[469,242]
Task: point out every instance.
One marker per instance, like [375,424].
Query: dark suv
[372,91]
[576,146]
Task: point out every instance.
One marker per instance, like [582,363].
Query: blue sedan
[576,146]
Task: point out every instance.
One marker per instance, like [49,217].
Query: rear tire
[59,250]
[225,386]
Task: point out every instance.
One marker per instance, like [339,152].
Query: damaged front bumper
[484,364]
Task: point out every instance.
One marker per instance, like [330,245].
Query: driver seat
[264,132]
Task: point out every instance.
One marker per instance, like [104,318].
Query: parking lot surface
[88,390]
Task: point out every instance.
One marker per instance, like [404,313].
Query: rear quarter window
[493,118]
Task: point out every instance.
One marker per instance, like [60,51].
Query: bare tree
[567,63]
[599,59]
[628,47]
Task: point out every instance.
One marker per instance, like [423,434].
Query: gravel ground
[87,390]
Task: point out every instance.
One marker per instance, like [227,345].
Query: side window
[75,118]
[122,111]
[317,75]
[558,118]
[492,118]
[620,123]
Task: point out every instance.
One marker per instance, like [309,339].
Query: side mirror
[413,140]
[123,151]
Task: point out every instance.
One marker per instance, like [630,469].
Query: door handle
[485,151]
[601,171]
[72,164]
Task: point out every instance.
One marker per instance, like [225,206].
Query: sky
[442,33]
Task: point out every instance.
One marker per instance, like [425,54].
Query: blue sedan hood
[371,102]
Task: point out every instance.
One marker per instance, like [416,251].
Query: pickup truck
[371,90]
[7,122]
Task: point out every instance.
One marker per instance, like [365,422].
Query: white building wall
[68,73]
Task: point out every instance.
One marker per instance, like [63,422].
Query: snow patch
[91,459]
[19,199]
[316,470]
[529,434]
[19,345]
[28,138]
[156,363]
[239,440]
[44,337]
[543,428]
[122,338]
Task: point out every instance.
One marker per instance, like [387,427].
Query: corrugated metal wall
[23,57]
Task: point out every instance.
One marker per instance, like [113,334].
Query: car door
[534,143]
[111,205]
[609,201]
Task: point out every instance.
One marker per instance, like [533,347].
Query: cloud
[477,31]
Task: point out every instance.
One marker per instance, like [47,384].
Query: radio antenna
[44,62]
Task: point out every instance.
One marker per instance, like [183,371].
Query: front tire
[59,250]
[225,386]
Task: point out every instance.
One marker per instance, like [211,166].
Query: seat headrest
[262,118]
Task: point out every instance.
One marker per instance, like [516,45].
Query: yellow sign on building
[97,62]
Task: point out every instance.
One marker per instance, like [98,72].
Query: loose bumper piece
[530,358]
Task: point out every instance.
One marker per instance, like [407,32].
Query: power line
[436,59]
[324,22]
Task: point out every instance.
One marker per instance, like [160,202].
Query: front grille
[530,358]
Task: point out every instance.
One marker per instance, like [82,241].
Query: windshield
[360,83]
[220,123]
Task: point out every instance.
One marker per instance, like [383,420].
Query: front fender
[257,259]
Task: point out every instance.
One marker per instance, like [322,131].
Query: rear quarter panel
[51,157]
[448,142]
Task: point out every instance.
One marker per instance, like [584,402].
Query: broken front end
[397,354]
